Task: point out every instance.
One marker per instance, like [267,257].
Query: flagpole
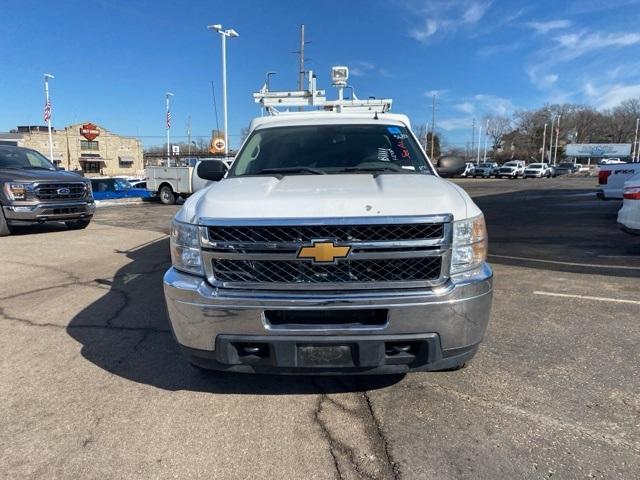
[168,120]
[47,76]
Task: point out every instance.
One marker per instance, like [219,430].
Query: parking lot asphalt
[93,385]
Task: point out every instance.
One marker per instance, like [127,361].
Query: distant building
[87,147]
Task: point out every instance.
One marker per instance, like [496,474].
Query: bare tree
[498,126]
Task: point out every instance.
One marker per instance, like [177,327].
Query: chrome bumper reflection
[458,311]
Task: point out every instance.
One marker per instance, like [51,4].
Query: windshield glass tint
[24,159]
[330,149]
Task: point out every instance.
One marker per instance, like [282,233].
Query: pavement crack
[326,434]
[360,450]
[31,323]
[395,467]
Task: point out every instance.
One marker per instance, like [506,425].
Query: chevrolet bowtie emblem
[323,252]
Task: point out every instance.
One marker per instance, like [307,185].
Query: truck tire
[78,224]
[4,227]
[167,197]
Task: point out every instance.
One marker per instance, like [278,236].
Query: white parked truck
[331,245]
[171,183]
[611,178]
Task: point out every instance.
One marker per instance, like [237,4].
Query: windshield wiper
[376,170]
[36,168]
[285,170]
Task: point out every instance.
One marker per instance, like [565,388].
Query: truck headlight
[469,244]
[16,191]
[185,248]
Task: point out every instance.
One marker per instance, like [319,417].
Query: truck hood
[15,175]
[324,196]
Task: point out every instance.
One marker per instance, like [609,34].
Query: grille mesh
[49,191]
[345,233]
[278,271]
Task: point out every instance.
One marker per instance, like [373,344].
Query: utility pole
[189,133]
[301,60]
[433,125]
[544,141]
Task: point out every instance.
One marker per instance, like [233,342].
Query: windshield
[536,165]
[485,165]
[566,165]
[24,159]
[330,149]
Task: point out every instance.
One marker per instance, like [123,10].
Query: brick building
[87,147]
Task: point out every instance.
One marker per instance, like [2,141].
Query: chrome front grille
[343,233]
[297,272]
[386,252]
[56,191]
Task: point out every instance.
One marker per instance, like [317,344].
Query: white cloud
[421,34]
[546,27]
[574,45]
[455,123]
[360,68]
[610,96]
[475,11]
[465,107]
[494,104]
[541,77]
[445,16]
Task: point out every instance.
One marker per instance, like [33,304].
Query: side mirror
[60,168]
[450,166]
[211,170]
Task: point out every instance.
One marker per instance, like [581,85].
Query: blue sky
[114,59]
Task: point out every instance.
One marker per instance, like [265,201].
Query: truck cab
[330,246]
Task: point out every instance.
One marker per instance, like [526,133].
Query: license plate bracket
[323,355]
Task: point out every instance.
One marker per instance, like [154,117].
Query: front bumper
[45,212]
[442,326]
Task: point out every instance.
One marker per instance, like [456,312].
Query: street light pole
[544,142]
[634,153]
[486,142]
[224,34]
[47,107]
[168,119]
[553,119]
[479,137]
[555,153]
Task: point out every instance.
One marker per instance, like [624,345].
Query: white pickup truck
[611,178]
[171,183]
[330,246]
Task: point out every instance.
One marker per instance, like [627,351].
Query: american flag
[47,111]
[168,118]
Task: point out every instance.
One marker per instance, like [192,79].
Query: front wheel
[4,226]
[167,196]
[78,224]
